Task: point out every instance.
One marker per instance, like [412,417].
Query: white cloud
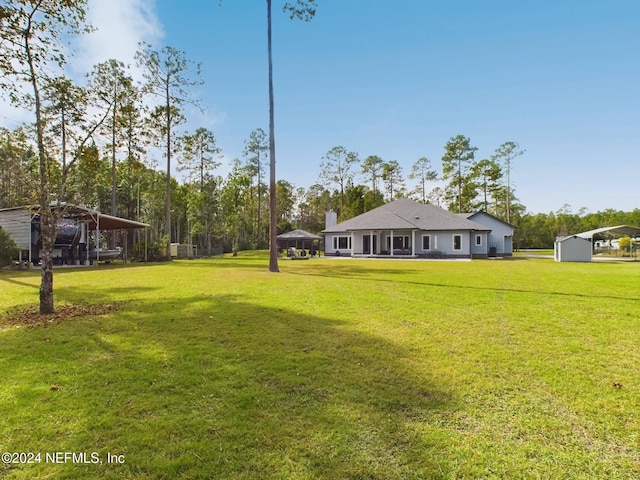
[120,25]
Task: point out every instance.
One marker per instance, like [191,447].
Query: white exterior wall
[445,243]
[356,243]
[328,244]
[483,248]
[501,235]
[573,249]
[17,223]
[442,241]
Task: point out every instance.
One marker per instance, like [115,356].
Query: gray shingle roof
[405,213]
[470,215]
[298,235]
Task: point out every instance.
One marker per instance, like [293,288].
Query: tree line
[70,119]
[231,212]
[91,145]
[465,183]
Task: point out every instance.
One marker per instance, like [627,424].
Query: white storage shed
[572,249]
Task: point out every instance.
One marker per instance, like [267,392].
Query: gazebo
[297,242]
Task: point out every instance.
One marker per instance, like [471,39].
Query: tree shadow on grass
[15,276]
[216,387]
[226,262]
[18,282]
[398,275]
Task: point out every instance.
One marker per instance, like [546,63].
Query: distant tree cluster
[540,230]
[78,129]
[464,184]
[90,145]
[231,212]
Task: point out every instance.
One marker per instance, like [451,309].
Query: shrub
[627,244]
[8,249]
[156,250]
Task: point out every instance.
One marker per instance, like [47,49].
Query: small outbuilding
[572,249]
[297,242]
[74,227]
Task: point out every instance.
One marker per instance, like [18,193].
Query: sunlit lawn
[533,251]
[336,369]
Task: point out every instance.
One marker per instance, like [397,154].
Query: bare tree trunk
[459,186]
[47,219]
[259,226]
[508,191]
[273,240]
[114,234]
[48,235]
[168,194]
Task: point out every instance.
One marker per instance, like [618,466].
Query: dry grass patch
[30,315]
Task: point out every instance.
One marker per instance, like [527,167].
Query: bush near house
[8,249]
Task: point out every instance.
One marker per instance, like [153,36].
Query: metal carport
[610,232]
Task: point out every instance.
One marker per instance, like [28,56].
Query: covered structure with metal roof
[606,232]
[74,227]
[298,241]
[574,248]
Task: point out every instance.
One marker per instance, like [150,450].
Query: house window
[399,242]
[342,243]
[426,242]
[478,240]
[457,242]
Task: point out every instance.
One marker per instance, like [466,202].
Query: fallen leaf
[31,315]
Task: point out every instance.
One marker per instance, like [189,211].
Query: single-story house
[572,249]
[406,228]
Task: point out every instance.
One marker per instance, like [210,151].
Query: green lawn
[336,369]
[533,251]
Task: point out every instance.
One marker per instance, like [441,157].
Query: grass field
[336,369]
[533,251]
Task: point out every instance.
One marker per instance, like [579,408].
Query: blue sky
[399,78]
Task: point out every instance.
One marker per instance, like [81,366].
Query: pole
[98,239]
